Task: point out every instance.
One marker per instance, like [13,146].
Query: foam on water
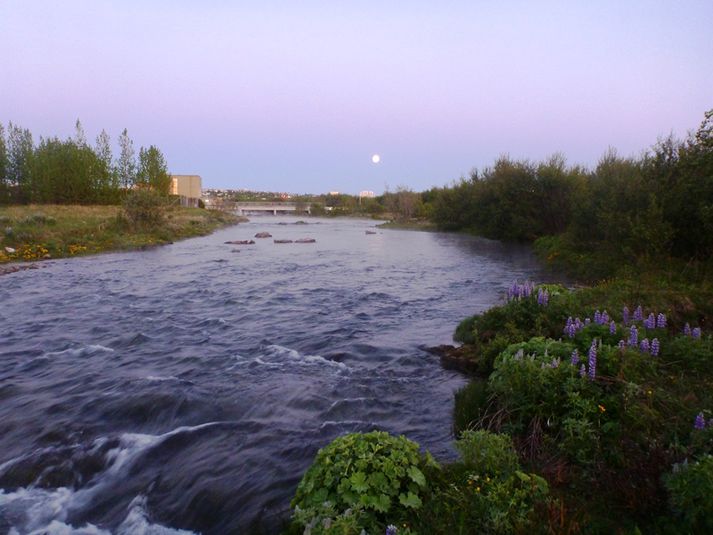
[45,511]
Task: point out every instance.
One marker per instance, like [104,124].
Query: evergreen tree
[153,172]
[126,166]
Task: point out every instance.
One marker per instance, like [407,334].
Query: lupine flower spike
[582,371]
[687,329]
[638,314]
[661,321]
[699,422]
[575,358]
[625,315]
[592,364]
[633,336]
[696,333]
[612,327]
[622,345]
[655,347]
[645,347]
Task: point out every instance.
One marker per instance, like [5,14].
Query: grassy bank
[37,232]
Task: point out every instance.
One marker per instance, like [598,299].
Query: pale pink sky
[297,96]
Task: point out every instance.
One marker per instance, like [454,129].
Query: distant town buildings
[367,194]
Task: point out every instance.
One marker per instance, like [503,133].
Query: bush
[486,493]
[489,453]
[380,474]
[690,488]
[144,208]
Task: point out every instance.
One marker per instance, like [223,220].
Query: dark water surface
[188,387]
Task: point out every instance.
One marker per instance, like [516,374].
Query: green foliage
[70,171]
[690,488]
[144,208]
[471,501]
[152,171]
[382,474]
[488,453]
[469,406]
[625,213]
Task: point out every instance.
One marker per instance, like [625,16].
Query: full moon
[375,158]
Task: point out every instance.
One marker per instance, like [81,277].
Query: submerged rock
[241,242]
[305,240]
[283,241]
[263,235]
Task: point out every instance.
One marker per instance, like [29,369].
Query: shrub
[144,208]
[489,453]
[379,473]
[690,488]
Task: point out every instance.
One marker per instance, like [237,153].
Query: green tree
[19,158]
[4,183]
[107,178]
[126,165]
[153,172]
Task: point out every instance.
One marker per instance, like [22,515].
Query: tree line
[72,171]
[653,207]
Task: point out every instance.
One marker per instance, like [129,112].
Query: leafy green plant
[690,488]
[380,473]
[488,453]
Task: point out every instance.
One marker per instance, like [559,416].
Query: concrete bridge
[243,208]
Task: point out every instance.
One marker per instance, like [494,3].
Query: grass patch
[37,232]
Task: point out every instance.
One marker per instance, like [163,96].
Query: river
[187,388]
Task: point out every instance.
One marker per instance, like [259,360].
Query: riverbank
[42,232]
[409,224]
[604,395]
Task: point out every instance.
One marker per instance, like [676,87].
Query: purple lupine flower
[575,358]
[555,363]
[625,315]
[571,331]
[696,333]
[592,363]
[597,317]
[645,347]
[655,347]
[687,329]
[587,321]
[622,345]
[638,314]
[661,321]
[543,297]
[612,327]
[650,321]
[582,371]
[699,422]
[633,336]
[605,317]
[578,324]
[391,529]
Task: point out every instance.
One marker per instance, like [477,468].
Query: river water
[187,388]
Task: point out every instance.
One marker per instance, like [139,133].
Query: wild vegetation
[71,171]
[626,212]
[34,232]
[589,411]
